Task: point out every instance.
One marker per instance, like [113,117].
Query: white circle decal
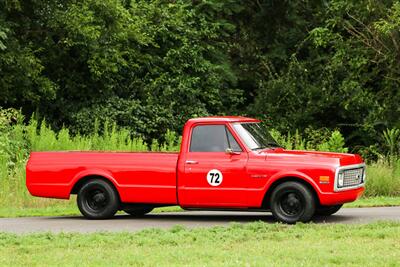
[214,177]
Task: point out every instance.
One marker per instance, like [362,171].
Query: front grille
[353,177]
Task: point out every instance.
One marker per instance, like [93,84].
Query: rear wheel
[138,211]
[327,210]
[292,202]
[98,199]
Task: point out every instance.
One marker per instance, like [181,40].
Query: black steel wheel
[327,210]
[137,212]
[292,202]
[98,199]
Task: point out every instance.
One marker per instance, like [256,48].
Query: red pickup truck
[225,163]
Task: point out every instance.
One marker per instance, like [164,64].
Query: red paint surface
[166,178]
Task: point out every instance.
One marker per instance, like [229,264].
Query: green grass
[65,210]
[380,201]
[253,244]
[59,208]
[69,208]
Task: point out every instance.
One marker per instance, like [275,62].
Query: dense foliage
[150,65]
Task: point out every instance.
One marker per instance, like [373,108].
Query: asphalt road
[189,219]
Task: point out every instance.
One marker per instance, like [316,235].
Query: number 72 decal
[214,177]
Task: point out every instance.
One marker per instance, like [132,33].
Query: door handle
[191,162]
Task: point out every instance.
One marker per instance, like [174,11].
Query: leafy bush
[146,65]
[392,143]
[321,140]
[335,143]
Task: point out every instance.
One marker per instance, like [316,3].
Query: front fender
[292,174]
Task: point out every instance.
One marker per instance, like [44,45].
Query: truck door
[215,169]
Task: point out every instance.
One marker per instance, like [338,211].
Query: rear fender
[93,172]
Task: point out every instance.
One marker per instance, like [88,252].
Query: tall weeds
[383,178]
[17,140]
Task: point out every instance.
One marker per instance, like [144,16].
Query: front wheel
[98,199]
[292,202]
[327,210]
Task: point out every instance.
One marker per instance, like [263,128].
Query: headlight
[340,179]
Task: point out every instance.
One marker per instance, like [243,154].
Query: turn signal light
[324,179]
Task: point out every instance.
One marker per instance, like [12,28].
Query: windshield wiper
[258,148]
[272,145]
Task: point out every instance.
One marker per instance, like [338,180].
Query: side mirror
[231,152]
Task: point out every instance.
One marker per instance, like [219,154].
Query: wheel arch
[289,178]
[83,177]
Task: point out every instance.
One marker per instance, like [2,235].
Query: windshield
[255,135]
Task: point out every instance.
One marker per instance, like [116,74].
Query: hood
[341,159]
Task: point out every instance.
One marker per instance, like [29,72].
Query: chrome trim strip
[354,166]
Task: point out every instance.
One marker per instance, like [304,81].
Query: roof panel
[223,119]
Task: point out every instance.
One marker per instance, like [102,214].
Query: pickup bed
[225,163]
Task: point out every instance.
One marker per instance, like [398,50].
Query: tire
[327,210]
[98,199]
[292,202]
[138,211]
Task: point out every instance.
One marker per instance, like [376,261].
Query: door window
[232,142]
[212,138]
